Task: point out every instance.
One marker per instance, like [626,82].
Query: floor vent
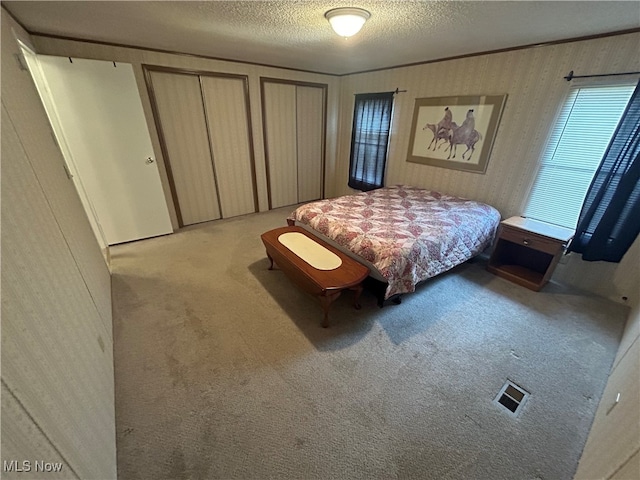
[512,397]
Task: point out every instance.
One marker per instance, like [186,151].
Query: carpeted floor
[222,369]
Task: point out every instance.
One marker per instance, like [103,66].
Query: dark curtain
[609,221]
[369,140]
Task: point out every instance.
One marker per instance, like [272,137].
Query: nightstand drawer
[530,240]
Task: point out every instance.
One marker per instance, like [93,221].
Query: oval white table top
[311,252]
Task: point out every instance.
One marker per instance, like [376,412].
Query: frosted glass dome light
[348,21]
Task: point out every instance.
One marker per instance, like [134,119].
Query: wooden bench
[325,282]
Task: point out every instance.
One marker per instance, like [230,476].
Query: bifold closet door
[294,133]
[228,123]
[310,132]
[280,125]
[183,126]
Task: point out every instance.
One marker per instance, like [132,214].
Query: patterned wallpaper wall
[137,57]
[57,348]
[533,80]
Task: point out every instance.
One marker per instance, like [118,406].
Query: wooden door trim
[147,69]
[163,145]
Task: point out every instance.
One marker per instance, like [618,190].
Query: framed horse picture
[455,132]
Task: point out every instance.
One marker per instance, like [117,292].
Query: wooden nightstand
[527,251]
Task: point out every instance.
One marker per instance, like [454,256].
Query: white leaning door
[100,114]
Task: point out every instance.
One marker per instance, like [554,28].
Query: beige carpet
[223,371]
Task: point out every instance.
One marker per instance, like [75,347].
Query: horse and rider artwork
[455,132]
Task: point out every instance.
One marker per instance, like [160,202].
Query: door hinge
[66,170]
[21,63]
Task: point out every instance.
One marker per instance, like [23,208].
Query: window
[370,140]
[608,222]
[578,142]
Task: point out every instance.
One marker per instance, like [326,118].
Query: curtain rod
[395,92]
[571,76]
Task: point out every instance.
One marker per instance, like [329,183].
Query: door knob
[149,161]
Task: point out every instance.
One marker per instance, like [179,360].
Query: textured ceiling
[295,34]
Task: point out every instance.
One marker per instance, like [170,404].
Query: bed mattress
[407,234]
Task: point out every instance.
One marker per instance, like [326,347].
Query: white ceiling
[295,34]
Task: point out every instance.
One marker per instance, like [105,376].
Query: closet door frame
[324,87]
[148,69]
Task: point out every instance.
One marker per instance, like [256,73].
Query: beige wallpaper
[614,439]
[280,119]
[57,349]
[230,143]
[48,46]
[27,441]
[532,79]
[184,127]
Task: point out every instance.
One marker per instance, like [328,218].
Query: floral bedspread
[409,234]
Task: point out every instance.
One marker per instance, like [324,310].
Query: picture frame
[455,132]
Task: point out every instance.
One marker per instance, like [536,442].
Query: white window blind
[575,149]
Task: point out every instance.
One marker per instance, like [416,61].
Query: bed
[404,234]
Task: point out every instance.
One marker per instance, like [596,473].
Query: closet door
[183,127]
[226,110]
[310,133]
[280,137]
[95,111]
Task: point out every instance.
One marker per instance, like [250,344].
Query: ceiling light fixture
[347,21]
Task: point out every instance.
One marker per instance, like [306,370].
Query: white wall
[41,84]
[57,342]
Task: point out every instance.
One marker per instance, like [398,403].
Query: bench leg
[326,301]
[356,300]
[271,260]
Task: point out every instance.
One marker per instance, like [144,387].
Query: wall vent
[512,397]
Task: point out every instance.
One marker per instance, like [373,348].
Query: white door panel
[103,124]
